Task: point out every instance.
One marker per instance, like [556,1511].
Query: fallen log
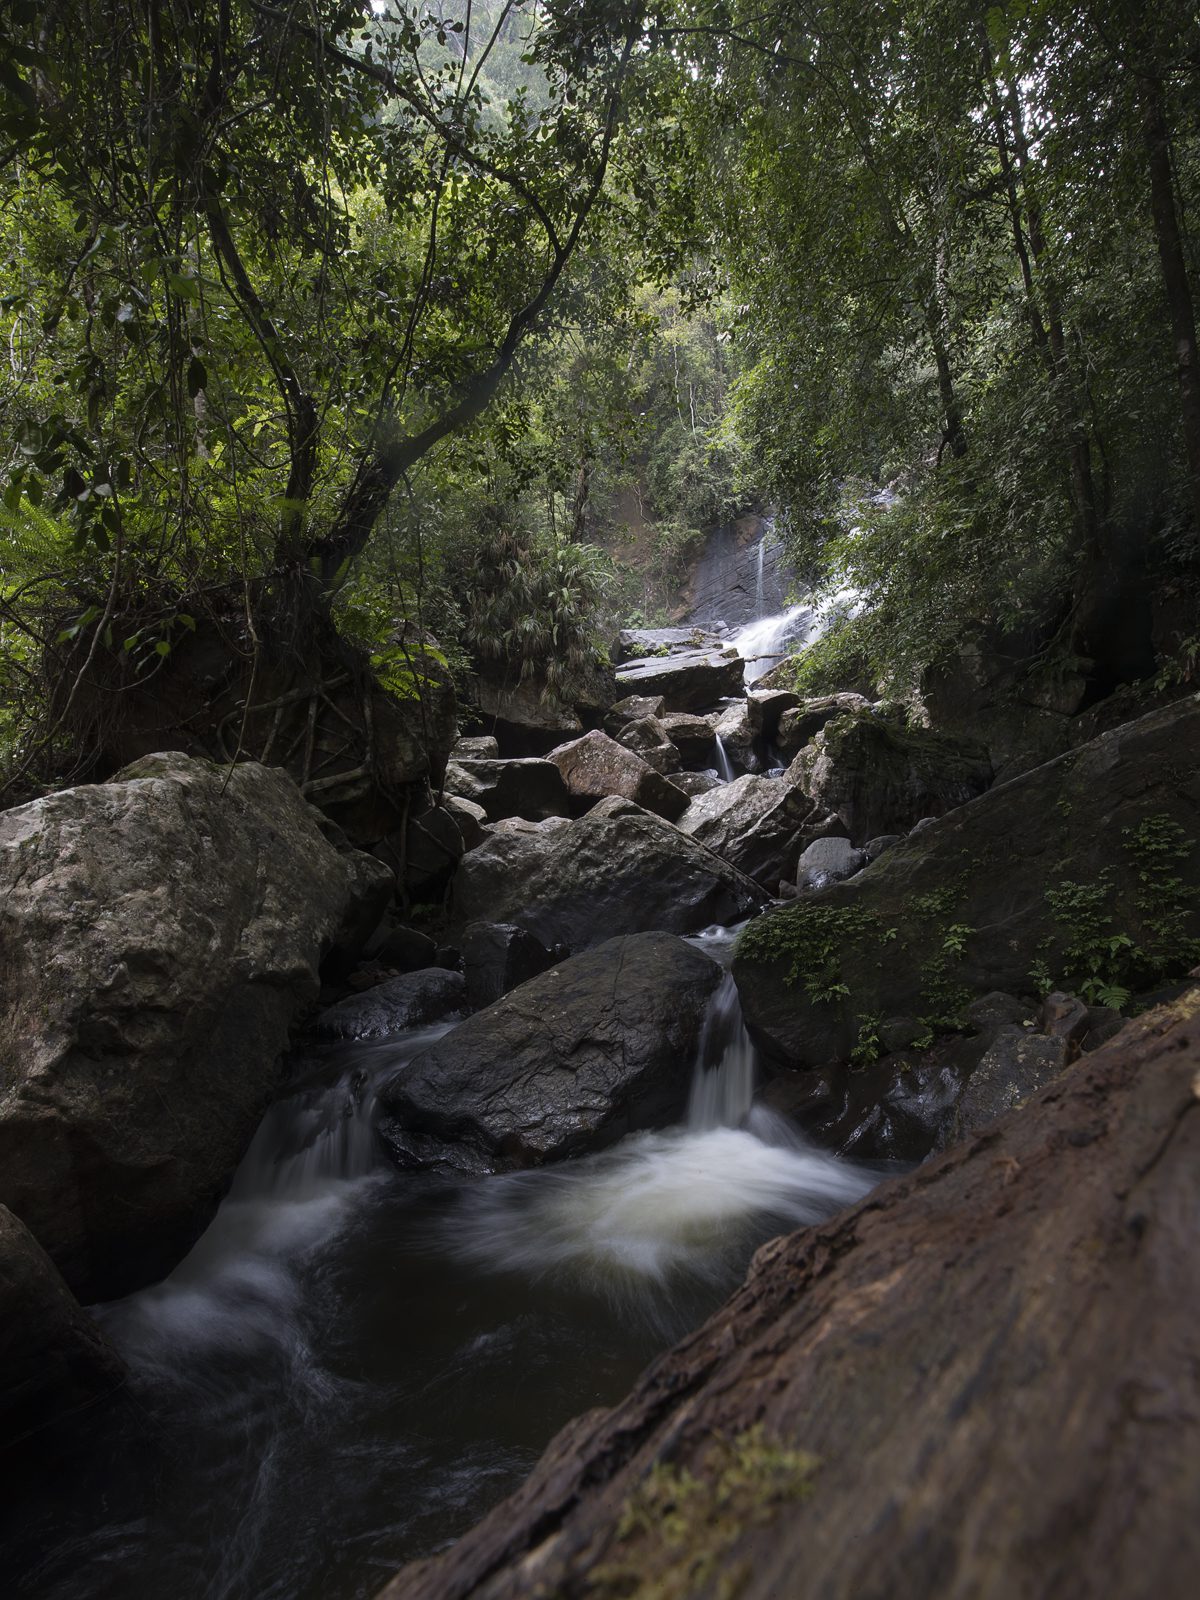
[984,1380]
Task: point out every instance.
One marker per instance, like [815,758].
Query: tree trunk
[980,1381]
[1174,271]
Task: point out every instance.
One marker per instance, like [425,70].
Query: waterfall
[724,766]
[758,588]
[723,1080]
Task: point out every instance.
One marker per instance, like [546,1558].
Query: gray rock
[525,787]
[1064,1016]
[433,846]
[596,766]
[570,1062]
[900,1033]
[695,783]
[874,848]
[689,682]
[692,736]
[801,723]
[1103,1024]
[881,777]
[827,861]
[498,956]
[53,1358]
[757,824]
[631,709]
[648,738]
[406,949]
[619,869]
[993,1011]
[160,935]
[410,1001]
[1016,1065]
[469,817]
[635,644]
[480,747]
[739,729]
[526,720]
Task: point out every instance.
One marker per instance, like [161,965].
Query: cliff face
[981,1380]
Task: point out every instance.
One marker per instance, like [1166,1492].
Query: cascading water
[351,1365]
[724,765]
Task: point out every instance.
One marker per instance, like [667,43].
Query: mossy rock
[1083,874]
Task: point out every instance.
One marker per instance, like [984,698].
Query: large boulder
[596,766]
[693,737]
[53,1358]
[631,709]
[635,644]
[981,1381]
[570,1062]
[1024,888]
[524,787]
[159,936]
[880,776]
[693,680]
[758,824]
[619,869]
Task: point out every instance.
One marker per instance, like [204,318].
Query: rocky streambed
[513,1161]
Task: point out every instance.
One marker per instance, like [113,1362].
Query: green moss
[810,939]
[678,1530]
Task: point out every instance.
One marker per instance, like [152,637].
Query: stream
[352,1365]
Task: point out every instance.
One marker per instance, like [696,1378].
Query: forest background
[350,349]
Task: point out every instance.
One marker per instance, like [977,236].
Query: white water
[724,765]
[662,1210]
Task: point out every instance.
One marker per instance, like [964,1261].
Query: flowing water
[724,765]
[352,1365]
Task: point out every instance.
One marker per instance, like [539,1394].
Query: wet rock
[961,908]
[740,574]
[648,738]
[693,681]
[497,956]
[410,1001]
[894,1108]
[768,707]
[828,861]
[596,766]
[800,724]
[619,869]
[53,1358]
[881,777]
[899,1033]
[632,709]
[758,824]
[740,731]
[480,747]
[1015,1066]
[693,737]
[524,787]
[874,848]
[570,1062]
[1021,1317]
[160,935]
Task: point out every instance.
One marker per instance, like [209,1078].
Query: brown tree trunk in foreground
[994,1361]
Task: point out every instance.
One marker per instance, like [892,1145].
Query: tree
[262,261]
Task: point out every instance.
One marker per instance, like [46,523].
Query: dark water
[351,1367]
